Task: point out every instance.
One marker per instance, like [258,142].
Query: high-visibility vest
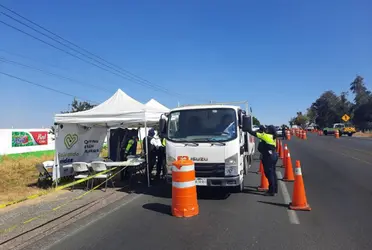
[129,145]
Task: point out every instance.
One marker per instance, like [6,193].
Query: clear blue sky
[278,55]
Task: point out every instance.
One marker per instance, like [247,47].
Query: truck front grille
[210,169]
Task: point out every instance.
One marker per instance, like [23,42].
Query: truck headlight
[170,160]
[231,165]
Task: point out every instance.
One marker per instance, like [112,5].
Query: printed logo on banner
[26,139]
[70,140]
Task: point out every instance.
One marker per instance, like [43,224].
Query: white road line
[293,218]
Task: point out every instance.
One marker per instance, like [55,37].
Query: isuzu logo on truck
[199,158]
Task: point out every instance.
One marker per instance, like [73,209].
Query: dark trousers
[269,164]
[159,164]
[152,161]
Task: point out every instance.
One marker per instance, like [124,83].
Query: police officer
[269,157]
[131,148]
[283,132]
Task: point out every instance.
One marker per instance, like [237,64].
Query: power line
[33,60]
[128,75]
[46,87]
[73,44]
[67,52]
[52,74]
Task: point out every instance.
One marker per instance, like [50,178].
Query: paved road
[337,175]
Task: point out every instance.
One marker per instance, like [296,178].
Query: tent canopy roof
[119,110]
[154,104]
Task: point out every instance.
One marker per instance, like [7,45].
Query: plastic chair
[45,178]
[100,166]
[81,172]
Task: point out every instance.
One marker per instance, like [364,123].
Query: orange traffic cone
[288,174]
[264,182]
[337,134]
[261,170]
[281,151]
[304,135]
[288,135]
[285,153]
[299,201]
[277,145]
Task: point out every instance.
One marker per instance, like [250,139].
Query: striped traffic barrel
[184,195]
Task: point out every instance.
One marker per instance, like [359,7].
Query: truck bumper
[230,181]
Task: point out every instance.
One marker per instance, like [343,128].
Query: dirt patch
[361,134]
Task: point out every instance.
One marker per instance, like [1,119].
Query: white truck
[215,137]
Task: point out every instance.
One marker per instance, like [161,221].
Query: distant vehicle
[278,131]
[342,129]
[310,128]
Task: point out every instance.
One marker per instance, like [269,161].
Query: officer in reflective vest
[131,148]
[269,157]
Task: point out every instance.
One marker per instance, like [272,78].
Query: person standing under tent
[151,143]
[131,148]
[160,166]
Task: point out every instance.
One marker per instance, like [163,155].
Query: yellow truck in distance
[343,129]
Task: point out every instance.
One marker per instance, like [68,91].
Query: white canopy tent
[120,110]
[154,104]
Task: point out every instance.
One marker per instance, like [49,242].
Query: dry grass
[361,134]
[18,177]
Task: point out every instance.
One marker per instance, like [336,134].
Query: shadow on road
[160,189]
[252,190]
[274,203]
[158,207]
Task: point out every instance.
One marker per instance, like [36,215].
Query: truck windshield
[201,125]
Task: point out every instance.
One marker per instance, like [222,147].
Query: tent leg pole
[147,157]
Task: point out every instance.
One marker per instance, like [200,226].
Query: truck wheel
[325,132]
[350,134]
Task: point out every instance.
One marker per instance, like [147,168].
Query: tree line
[75,106]
[330,107]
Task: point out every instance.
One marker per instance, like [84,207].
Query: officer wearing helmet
[269,157]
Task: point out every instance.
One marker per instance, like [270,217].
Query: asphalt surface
[337,175]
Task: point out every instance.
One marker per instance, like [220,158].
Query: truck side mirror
[162,126]
[247,123]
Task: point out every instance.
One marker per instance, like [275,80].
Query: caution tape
[10,229]
[34,196]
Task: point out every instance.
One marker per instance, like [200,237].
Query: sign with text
[76,143]
[31,138]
